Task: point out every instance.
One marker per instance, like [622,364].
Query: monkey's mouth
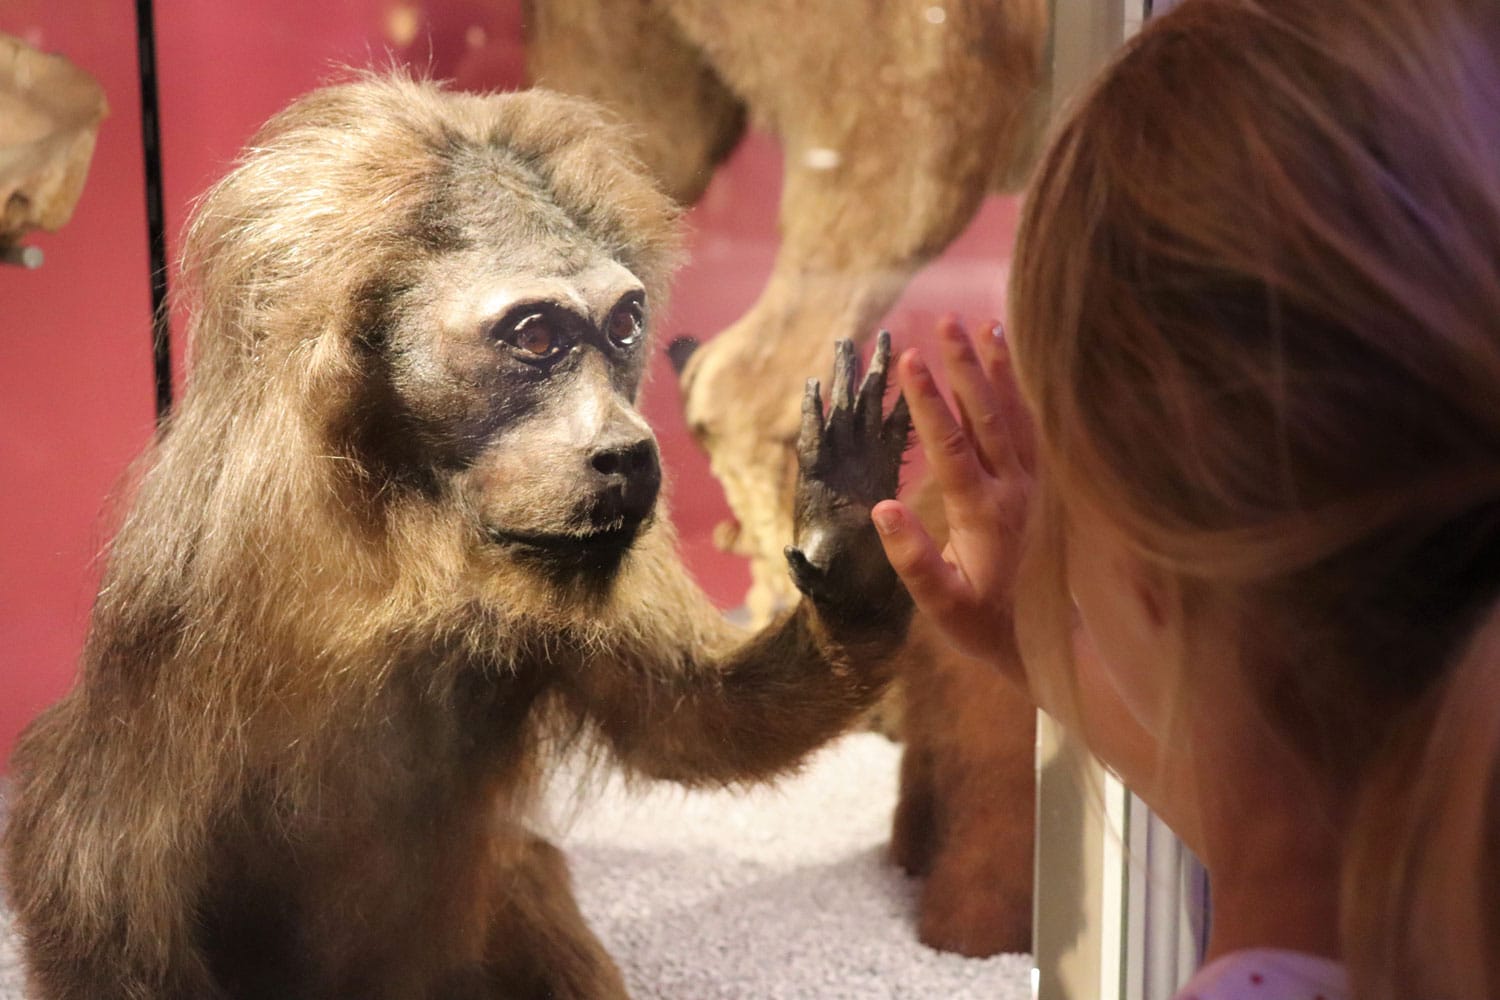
[613,538]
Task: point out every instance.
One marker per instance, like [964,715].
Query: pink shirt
[1268,974]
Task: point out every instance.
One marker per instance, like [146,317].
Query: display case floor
[776,893]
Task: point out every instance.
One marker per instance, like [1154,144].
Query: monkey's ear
[680,350]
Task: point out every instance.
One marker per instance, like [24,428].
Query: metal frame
[1122,906]
[156,230]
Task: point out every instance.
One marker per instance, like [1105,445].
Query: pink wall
[75,367]
[75,372]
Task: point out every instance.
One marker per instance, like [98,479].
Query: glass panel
[844,247]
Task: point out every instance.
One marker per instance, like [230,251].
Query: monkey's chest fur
[376,874]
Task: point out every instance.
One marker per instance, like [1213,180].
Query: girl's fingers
[949,452]
[937,589]
[1020,435]
[979,403]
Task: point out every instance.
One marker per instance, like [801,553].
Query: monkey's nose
[630,473]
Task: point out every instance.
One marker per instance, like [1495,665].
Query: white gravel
[778,893]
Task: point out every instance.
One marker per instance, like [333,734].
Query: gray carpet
[776,894]
[10,962]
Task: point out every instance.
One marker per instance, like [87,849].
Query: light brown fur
[316,700]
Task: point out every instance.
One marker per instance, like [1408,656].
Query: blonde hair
[1256,311]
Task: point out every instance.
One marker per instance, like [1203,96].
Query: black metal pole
[161,330]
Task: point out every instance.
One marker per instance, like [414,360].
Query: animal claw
[680,350]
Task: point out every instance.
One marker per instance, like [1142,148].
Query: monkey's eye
[535,337]
[626,323]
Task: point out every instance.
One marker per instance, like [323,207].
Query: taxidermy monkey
[400,539]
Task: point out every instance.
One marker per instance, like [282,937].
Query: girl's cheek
[1131,645]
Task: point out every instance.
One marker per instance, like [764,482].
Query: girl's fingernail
[999,347]
[887,520]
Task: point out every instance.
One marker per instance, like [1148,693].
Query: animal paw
[847,462]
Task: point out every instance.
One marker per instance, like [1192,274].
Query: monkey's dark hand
[848,462]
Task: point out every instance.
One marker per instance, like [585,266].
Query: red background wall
[75,364]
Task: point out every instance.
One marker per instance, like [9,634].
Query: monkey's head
[455,291]
[511,392]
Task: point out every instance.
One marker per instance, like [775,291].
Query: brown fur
[315,700]
[966,818]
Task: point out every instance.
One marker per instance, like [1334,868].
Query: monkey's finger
[841,400]
[810,435]
[807,577]
[895,434]
[680,350]
[871,401]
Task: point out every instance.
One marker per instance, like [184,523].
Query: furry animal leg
[540,948]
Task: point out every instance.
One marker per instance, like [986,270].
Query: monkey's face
[518,387]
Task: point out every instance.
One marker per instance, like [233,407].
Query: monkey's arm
[697,701]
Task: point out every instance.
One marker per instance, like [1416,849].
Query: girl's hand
[983,461]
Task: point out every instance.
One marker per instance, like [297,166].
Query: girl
[1256,329]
